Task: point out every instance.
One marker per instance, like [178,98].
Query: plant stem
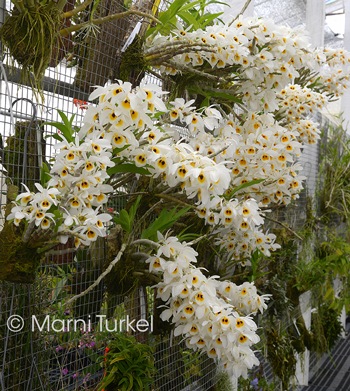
[50,246]
[61,252]
[170,198]
[61,4]
[145,242]
[218,152]
[74,11]
[193,242]
[108,18]
[101,276]
[127,194]
[150,210]
[29,230]
[241,13]
[20,5]
[50,5]
[173,51]
[285,226]
[228,301]
[31,4]
[182,67]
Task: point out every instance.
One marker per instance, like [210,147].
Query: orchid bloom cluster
[208,321]
[74,194]
[268,56]
[233,164]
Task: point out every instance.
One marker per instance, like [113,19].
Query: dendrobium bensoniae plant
[232,161]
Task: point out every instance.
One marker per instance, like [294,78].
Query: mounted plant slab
[38,28]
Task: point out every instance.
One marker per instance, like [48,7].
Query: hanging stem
[108,18]
[29,230]
[61,252]
[61,4]
[20,5]
[74,11]
[174,50]
[49,247]
[284,226]
[218,152]
[146,242]
[170,198]
[228,301]
[101,276]
[128,194]
[182,67]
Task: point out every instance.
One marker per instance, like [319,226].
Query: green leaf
[58,288]
[164,221]
[206,102]
[242,186]
[131,381]
[217,94]
[44,174]
[71,121]
[329,294]
[172,11]
[117,150]
[314,84]
[134,208]
[189,19]
[123,220]
[208,18]
[56,136]
[127,168]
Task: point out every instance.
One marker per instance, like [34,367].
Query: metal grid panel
[70,360]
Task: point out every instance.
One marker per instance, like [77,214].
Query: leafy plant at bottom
[281,356]
[129,365]
[330,325]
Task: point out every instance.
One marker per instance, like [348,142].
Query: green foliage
[30,37]
[255,258]
[330,326]
[44,174]
[318,273]
[126,219]
[253,384]
[281,356]
[127,168]
[243,186]
[193,14]
[66,128]
[129,365]
[163,221]
[224,382]
[335,174]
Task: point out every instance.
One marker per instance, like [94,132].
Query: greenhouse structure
[175,195]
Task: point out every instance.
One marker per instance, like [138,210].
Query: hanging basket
[30,37]
[18,260]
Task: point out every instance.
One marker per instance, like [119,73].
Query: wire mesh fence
[72,357]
